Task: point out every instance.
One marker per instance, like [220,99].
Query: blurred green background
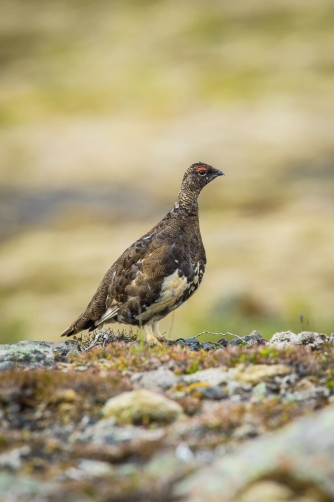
[104,104]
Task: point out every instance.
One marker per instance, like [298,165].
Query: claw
[153,343]
[163,339]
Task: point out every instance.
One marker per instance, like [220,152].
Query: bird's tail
[79,325]
[68,332]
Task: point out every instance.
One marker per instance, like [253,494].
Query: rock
[13,459]
[191,343]
[62,349]
[237,341]
[310,339]
[254,338]
[209,392]
[106,431]
[246,431]
[283,340]
[237,391]
[301,453]
[160,379]
[260,392]
[94,467]
[207,346]
[254,374]
[30,353]
[305,389]
[141,405]
[289,381]
[35,354]
[222,342]
[164,469]
[88,469]
[272,491]
[22,488]
[7,365]
[213,376]
[64,396]
[184,453]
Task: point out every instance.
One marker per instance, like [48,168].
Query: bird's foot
[164,339]
[152,341]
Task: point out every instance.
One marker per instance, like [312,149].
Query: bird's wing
[139,271]
[108,314]
[150,272]
[111,291]
[151,281]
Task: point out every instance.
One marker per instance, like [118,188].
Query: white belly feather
[172,288]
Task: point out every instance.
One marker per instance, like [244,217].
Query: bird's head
[198,175]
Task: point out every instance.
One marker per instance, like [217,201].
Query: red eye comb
[201,169]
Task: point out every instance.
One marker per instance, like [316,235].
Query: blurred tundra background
[104,104]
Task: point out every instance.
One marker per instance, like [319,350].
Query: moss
[42,397]
[271,352]
[47,410]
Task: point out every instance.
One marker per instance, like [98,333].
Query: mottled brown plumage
[158,272]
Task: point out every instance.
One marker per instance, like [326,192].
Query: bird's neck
[187,200]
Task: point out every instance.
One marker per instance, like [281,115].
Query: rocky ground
[110,419]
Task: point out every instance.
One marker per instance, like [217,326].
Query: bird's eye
[202,172]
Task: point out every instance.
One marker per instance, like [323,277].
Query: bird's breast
[195,280]
[172,289]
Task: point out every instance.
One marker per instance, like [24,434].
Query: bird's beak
[219,173]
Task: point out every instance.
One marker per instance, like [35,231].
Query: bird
[158,272]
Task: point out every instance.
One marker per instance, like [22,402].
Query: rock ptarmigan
[158,272]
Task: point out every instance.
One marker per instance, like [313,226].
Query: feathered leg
[150,337]
[158,335]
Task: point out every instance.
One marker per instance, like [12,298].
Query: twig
[105,339]
[218,334]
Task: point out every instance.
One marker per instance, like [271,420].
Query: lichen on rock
[127,422]
[142,406]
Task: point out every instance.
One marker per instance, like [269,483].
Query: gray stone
[272,491]
[165,467]
[161,378]
[310,339]
[183,452]
[213,376]
[242,374]
[246,431]
[209,392]
[283,339]
[305,389]
[62,349]
[13,460]
[237,389]
[141,404]
[256,373]
[6,366]
[302,453]
[88,469]
[288,381]
[255,338]
[35,354]
[29,353]
[20,488]
[260,392]
[107,431]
